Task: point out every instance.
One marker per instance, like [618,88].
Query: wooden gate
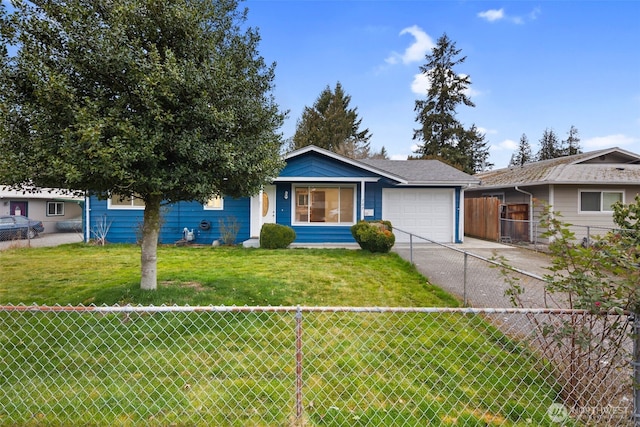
[515,222]
[482,218]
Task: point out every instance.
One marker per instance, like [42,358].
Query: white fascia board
[438,184]
[324,179]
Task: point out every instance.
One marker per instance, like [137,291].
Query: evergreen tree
[443,136]
[523,155]
[549,146]
[167,101]
[571,145]
[473,152]
[332,125]
[382,154]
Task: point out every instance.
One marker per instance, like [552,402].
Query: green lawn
[83,274]
[239,369]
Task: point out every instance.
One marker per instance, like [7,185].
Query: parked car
[19,227]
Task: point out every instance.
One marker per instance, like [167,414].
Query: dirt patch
[190,285]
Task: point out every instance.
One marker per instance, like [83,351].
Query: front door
[263,209]
[18,208]
[269,204]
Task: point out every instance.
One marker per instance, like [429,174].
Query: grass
[239,368]
[84,274]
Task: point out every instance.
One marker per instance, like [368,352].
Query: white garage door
[425,212]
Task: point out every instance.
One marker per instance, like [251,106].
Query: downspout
[87,218]
[530,211]
[459,212]
[362,184]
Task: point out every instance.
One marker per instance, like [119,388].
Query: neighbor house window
[118,201]
[599,201]
[214,204]
[55,208]
[331,204]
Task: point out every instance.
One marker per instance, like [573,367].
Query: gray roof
[609,166]
[421,172]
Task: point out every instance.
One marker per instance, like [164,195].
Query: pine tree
[571,145]
[332,125]
[523,155]
[443,136]
[549,146]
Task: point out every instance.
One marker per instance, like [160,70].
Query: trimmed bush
[374,236]
[276,236]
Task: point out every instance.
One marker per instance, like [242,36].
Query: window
[214,204]
[118,201]
[55,208]
[333,205]
[599,201]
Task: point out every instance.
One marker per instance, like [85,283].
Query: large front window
[335,204]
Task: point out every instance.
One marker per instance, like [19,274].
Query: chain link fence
[307,366]
[477,280]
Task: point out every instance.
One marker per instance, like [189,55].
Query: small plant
[101,230]
[602,279]
[276,236]
[229,228]
[374,236]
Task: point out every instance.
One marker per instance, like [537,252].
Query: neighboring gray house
[49,205]
[582,188]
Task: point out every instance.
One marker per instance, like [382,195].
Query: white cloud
[486,131]
[507,144]
[399,157]
[421,84]
[617,140]
[492,15]
[495,15]
[415,52]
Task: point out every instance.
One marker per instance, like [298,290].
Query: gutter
[530,210]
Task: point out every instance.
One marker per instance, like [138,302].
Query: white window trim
[323,224]
[131,207]
[213,208]
[58,213]
[597,190]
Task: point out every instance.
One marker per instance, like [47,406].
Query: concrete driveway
[482,284]
[43,240]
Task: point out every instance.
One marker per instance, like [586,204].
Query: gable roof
[608,166]
[404,172]
[422,172]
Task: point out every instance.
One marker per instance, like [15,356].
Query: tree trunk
[149,252]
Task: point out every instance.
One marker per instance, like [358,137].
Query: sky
[533,65]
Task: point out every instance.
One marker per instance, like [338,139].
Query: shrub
[374,236]
[229,228]
[276,236]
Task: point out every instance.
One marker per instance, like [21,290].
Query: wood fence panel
[482,218]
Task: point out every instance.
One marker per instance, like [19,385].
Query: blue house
[320,194]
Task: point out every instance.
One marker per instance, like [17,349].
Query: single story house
[53,207]
[320,194]
[581,188]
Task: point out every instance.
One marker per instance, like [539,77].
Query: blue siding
[315,165]
[126,223]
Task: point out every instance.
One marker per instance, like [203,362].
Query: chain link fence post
[464,282]
[299,406]
[636,369]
